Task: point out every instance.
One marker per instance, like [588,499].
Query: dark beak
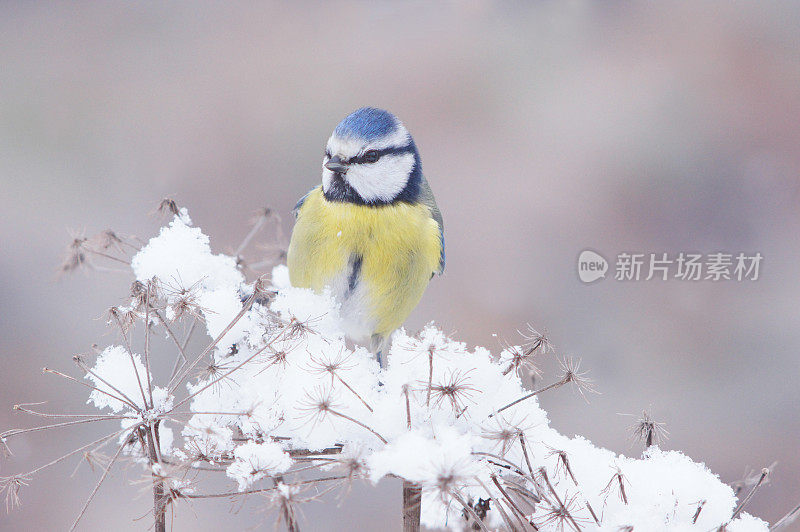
[336,165]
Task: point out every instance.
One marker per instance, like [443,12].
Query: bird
[371,232]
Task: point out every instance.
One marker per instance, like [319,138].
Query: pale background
[544,129]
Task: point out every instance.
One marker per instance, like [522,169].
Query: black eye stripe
[381,153]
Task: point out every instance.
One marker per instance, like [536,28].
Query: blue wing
[426,197]
[302,200]
[441,257]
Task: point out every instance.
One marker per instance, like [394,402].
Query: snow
[114,368]
[254,461]
[301,385]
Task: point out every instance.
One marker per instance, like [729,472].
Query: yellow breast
[399,246]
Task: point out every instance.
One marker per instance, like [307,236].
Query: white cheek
[327,179]
[382,180]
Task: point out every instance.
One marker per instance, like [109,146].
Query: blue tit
[371,232]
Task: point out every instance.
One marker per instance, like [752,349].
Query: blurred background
[545,128]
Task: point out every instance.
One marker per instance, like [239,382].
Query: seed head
[518,358]
[183,300]
[317,404]
[648,431]
[124,318]
[617,483]
[571,373]
[535,340]
[560,515]
[503,433]
[455,389]
[332,365]
[108,239]
[168,208]
[75,256]
[11,486]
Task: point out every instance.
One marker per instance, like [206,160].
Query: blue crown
[367,123]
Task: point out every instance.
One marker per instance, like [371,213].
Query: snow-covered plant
[282,404]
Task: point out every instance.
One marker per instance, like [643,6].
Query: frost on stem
[277,403]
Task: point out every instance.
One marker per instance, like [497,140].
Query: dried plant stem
[175,381]
[697,512]
[544,475]
[191,467]
[524,492]
[618,477]
[21,408]
[408,407]
[147,346]
[133,361]
[73,379]
[318,454]
[519,514]
[107,256]
[225,375]
[565,460]
[738,510]
[109,270]
[287,512]
[357,422]
[502,511]
[430,377]
[412,506]
[253,231]
[301,469]
[412,493]
[159,497]
[88,370]
[354,392]
[171,334]
[60,459]
[153,429]
[15,432]
[509,465]
[258,490]
[211,413]
[786,520]
[97,486]
[189,334]
[185,343]
[516,365]
[525,453]
[556,384]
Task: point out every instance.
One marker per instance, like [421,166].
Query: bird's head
[371,159]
